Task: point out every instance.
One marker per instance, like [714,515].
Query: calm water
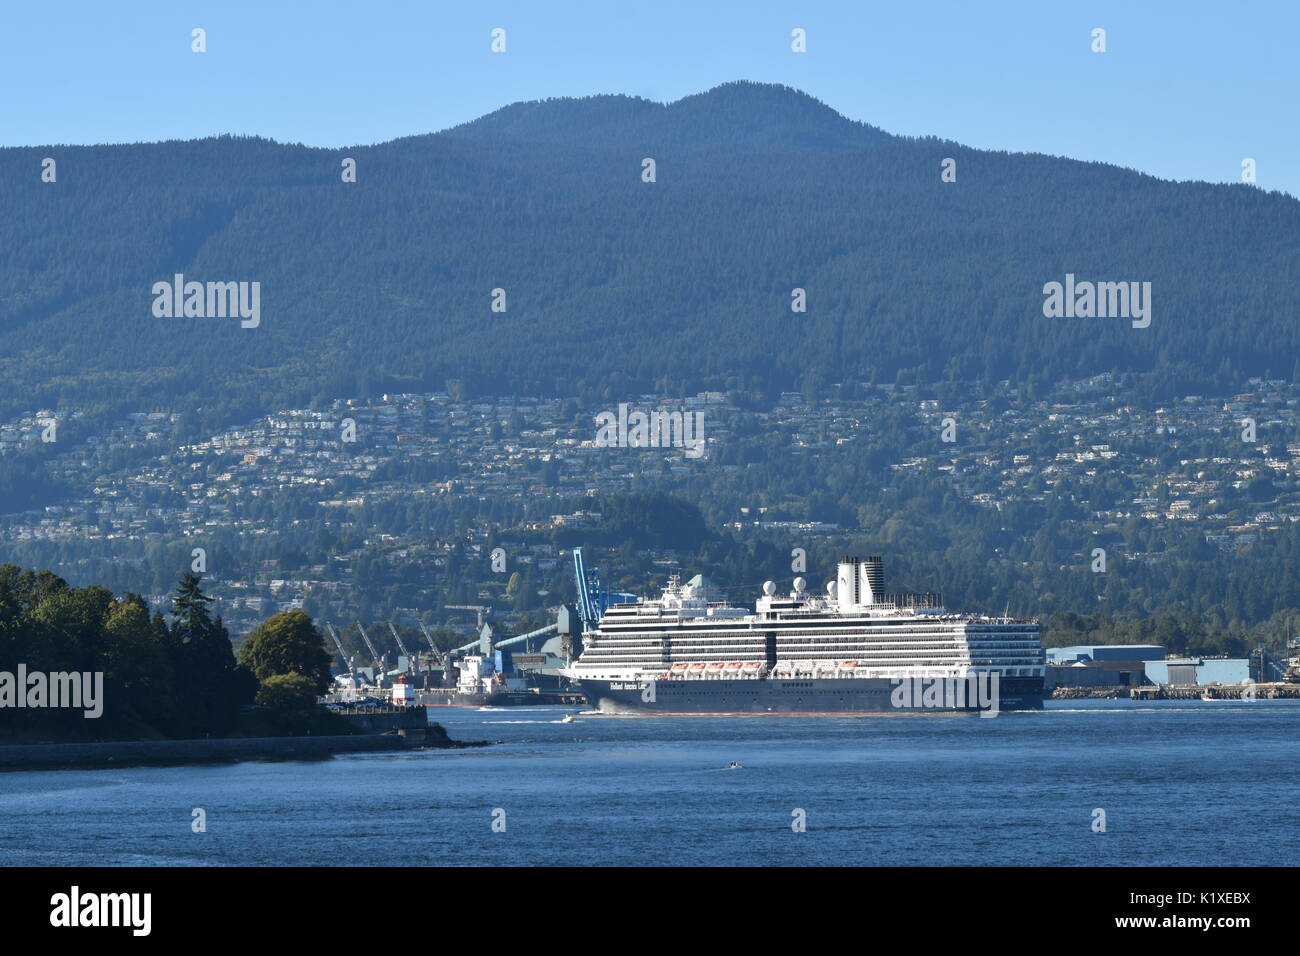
[1181,783]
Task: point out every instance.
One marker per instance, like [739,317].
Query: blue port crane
[592,600]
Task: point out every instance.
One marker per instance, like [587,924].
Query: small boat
[566,719]
[734,766]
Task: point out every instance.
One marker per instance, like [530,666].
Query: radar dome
[830,588]
[799,585]
[769,588]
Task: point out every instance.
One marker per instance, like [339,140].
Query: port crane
[482,610]
[352,671]
[593,600]
[379,661]
[410,661]
[438,655]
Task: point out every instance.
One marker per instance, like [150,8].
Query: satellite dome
[799,585]
[769,588]
[830,588]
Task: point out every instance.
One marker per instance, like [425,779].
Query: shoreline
[1261,691]
[170,753]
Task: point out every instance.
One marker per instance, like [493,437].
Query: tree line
[173,675]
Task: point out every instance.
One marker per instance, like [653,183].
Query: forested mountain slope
[615,285]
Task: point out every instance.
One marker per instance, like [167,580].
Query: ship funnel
[848,584]
[859,583]
[873,579]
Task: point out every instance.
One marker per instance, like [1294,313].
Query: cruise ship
[854,649]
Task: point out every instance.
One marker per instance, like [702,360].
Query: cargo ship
[489,680]
[855,649]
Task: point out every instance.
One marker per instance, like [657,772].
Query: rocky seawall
[1181,692]
[1219,692]
[1089,693]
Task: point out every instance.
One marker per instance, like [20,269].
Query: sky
[1185,90]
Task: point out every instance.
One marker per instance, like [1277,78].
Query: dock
[1272,691]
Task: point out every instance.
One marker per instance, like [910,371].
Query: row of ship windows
[759,640]
[844,653]
[850,633]
[827,640]
[676,634]
[801,627]
[828,645]
[617,618]
[866,658]
[785,682]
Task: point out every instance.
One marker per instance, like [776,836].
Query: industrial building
[1183,671]
[1105,652]
[1134,665]
[1100,665]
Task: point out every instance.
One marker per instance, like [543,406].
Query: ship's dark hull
[827,696]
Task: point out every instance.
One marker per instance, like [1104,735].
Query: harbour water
[1181,783]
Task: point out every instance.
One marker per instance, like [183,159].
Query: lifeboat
[753,666]
[679,667]
[849,664]
[734,666]
[696,668]
[716,666]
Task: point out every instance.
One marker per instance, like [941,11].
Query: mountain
[615,286]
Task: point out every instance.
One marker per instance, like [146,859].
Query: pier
[1273,691]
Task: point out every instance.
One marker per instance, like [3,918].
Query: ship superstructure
[854,648]
[1292,675]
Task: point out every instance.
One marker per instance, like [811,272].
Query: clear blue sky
[1185,90]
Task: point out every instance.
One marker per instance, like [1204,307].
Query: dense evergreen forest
[163,676]
[615,285]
